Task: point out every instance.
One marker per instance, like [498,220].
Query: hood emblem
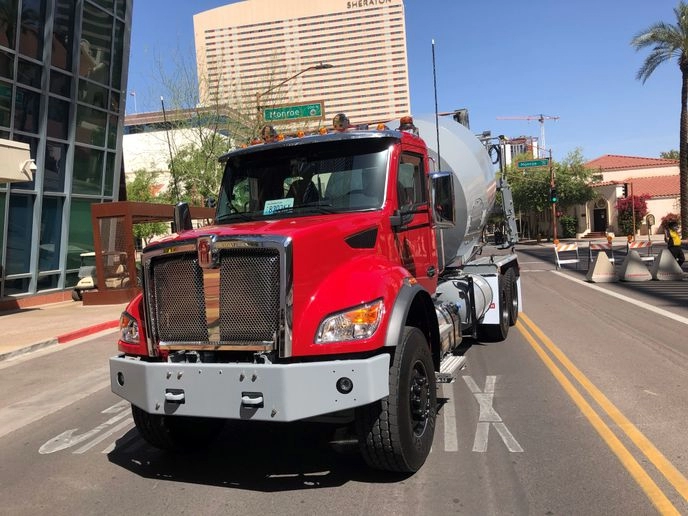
[208,255]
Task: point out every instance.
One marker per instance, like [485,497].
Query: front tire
[396,433]
[176,433]
[76,295]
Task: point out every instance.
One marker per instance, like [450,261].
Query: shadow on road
[256,456]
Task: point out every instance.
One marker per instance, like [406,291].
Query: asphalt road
[580,411]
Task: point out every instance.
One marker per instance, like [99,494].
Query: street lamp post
[320,66]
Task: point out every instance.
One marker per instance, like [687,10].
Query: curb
[77,334]
[61,339]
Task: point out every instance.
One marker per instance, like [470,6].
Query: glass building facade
[63,75]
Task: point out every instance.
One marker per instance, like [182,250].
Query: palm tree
[667,41]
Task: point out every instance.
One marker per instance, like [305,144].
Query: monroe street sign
[295,112]
[533,163]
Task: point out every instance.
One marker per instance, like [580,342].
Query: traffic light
[625,189]
[553,195]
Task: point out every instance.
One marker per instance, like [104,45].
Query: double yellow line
[666,468]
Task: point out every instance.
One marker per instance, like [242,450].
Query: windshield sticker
[278,205]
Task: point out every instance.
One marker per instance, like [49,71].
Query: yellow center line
[665,467]
[653,492]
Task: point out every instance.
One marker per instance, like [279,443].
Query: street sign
[294,112]
[534,163]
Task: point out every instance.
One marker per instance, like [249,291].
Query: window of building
[88,171]
[31,33]
[5,104]
[51,231]
[26,110]
[8,34]
[60,84]
[63,34]
[80,231]
[96,42]
[90,125]
[58,118]
[54,167]
[19,234]
[6,64]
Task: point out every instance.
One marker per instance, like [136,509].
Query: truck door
[415,239]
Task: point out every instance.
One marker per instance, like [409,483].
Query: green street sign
[288,113]
[534,163]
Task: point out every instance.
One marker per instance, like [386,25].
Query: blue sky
[567,59]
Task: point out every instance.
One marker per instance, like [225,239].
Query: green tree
[141,189]
[672,154]
[665,42]
[198,170]
[531,187]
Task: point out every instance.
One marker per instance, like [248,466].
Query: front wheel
[176,433]
[396,433]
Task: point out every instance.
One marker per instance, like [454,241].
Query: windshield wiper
[313,206]
[229,216]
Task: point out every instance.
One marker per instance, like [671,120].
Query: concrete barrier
[666,268]
[601,270]
[633,268]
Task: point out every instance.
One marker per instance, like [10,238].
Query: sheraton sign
[359,4]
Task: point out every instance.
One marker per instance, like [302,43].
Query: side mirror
[182,218]
[443,199]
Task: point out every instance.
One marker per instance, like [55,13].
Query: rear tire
[512,282]
[396,433]
[176,433]
[498,332]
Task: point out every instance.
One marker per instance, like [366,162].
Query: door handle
[431,271]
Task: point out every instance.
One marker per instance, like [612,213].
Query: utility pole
[553,199]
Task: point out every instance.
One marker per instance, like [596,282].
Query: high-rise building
[63,75]
[254,54]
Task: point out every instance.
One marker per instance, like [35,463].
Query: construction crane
[540,118]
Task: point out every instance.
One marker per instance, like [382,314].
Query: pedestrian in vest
[672,237]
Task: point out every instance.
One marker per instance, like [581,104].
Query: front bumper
[261,392]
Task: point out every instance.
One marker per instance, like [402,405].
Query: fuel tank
[475,187]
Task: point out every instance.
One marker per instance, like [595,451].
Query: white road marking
[644,306]
[124,424]
[489,416]
[451,439]
[67,439]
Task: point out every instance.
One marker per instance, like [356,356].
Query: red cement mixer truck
[339,277]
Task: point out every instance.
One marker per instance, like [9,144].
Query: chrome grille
[186,303]
[179,301]
[249,295]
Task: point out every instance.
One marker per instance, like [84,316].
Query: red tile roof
[657,186]
[614,162]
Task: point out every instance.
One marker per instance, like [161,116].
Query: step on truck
[339,277]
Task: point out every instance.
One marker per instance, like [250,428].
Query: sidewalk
[32,328]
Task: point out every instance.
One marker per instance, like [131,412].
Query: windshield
[321,177]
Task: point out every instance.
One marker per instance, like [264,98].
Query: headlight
[129,329]
[354,324]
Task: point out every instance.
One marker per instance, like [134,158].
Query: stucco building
[657,178]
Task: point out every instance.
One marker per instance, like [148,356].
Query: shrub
[670,217]
[569,226]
